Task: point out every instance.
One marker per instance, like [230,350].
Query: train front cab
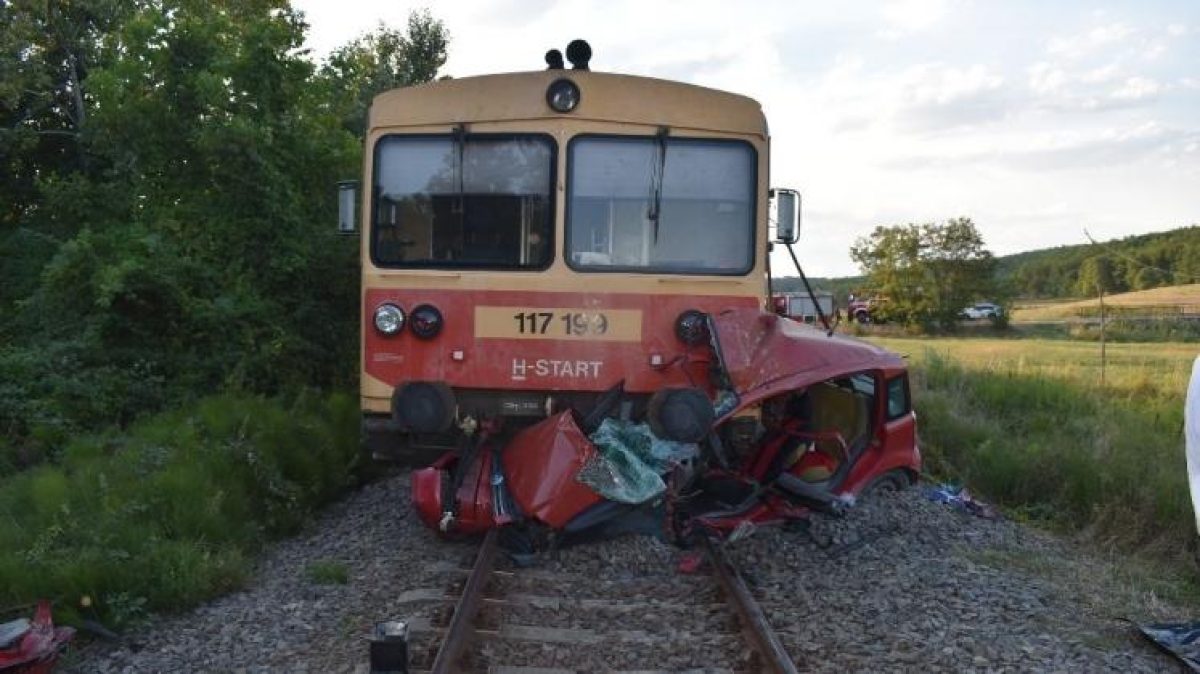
[518,261]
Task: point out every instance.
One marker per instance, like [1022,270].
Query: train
[567,323]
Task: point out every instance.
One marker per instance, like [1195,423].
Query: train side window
[898,403]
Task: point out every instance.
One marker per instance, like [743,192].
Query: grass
[1027,423]
[170,512]
[1169,300]
[327,572]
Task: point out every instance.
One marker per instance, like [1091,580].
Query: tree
[928,272]
[193,244]
[383,59]
[47,50]
[1096,274]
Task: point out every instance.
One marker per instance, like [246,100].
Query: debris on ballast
[962,500]
[1181,640]
[32,646]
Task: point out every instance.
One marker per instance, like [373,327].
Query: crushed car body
[794,419]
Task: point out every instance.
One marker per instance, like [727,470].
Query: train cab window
[468,201]
[661,204]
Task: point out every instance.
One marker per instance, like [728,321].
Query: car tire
[862,317]
[894,480]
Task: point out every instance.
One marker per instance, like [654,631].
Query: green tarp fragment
[630,461]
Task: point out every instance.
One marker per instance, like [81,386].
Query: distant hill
[1167,301]
[1133,263]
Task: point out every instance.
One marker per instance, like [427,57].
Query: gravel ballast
[897,584]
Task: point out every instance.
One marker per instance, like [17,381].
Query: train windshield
[466,201]
[661,204]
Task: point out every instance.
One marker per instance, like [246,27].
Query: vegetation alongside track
[1027,424]
[170,512]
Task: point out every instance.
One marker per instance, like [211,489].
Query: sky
[1035,119]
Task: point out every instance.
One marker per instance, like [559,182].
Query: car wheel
[891,481]
[862,317]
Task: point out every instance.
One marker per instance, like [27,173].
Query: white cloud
[904,17]
[1137,88]
[1046,79]
[1084,44]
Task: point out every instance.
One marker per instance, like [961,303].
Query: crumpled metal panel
[765,354]
[541,463]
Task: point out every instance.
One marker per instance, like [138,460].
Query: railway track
[528,621]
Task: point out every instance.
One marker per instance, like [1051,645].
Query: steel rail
[460,631]
[754,622]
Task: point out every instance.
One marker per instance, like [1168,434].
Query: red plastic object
[427,490]
[38,649]
[474,496]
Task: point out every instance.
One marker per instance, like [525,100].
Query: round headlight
[562,95]
[389,319]
[426,321]
[691,327]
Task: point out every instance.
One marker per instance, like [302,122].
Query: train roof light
[562,95]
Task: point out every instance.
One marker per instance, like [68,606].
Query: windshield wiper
[656,179]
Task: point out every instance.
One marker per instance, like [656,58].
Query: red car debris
[32,646]
[796,420]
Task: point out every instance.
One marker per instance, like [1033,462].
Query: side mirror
[787,215]
[347,206]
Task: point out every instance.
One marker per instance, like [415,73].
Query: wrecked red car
[799,420]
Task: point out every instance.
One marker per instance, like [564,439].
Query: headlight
[389,319]
[426,321]
[562,95]
[691,327]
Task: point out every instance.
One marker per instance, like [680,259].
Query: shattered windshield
[661,204]
[463,201]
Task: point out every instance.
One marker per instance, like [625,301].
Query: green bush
[1109,462]
[169,513]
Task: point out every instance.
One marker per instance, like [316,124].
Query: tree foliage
[384,59]
[928,272]
[172,204]
[1133,263]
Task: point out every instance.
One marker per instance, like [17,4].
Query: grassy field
[1170,300]
[1028,424]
